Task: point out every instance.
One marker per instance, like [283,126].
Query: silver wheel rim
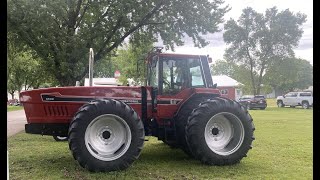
[279,104]
[108,137]
[62,138]
[224,133]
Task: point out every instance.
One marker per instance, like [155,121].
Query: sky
[217,46]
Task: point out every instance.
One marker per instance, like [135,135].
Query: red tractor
[180,105]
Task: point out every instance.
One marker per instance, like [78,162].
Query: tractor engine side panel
[58,105]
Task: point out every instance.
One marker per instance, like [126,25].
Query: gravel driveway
[16,121]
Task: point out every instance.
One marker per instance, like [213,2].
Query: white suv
[293,99]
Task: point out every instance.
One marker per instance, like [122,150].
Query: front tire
[220,132]
[305,105]
[106,135]
[280,104]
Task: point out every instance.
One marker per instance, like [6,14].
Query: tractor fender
[196,96]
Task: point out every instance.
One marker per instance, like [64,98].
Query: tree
[290,74]
[240,73]
[255,40]
[62,31]
[23,68]
[132,62]
[222,67]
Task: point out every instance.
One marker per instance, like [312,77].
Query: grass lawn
[14,108]
[282,150]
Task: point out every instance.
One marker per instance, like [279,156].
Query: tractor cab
[172,73]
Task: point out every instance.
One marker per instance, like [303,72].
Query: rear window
[305,94]
[259,96]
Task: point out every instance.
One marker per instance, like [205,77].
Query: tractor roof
[180,55]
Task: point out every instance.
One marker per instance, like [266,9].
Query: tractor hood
[79,94]
[58,105]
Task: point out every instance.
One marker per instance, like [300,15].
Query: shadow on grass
[40,156]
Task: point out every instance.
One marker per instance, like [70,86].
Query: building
[102,82]
[228,87]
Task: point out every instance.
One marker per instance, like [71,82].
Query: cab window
[181,73]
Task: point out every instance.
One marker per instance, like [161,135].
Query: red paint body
[231,92]
[38,111]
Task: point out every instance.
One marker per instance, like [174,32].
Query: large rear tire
[220,132]
[181,121]
[106,135]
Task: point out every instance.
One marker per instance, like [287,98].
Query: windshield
[180,73]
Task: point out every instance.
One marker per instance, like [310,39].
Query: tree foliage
[240,73]
[257,39]
[131,63]
[24,70]
[129,60]
[290,74]
[62,31]
[286,75]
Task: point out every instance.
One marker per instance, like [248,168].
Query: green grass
[14,108]
[282,150]
[271,102]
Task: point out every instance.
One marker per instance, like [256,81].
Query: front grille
[56,110]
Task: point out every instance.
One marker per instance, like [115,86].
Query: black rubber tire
[248,107]
[280,103]
[197,123]
[305,103]
[82,119]
[60,138]
[181,120]
[263,108]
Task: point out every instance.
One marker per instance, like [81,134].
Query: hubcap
[224,133]
[107,137]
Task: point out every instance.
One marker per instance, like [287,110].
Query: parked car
[293,99]
[13,102]
[253,102]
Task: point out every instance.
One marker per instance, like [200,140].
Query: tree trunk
[12,95]
[260,78]
[252,78]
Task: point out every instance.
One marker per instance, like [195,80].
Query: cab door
[177,77]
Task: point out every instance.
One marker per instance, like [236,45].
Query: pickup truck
[293,99]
